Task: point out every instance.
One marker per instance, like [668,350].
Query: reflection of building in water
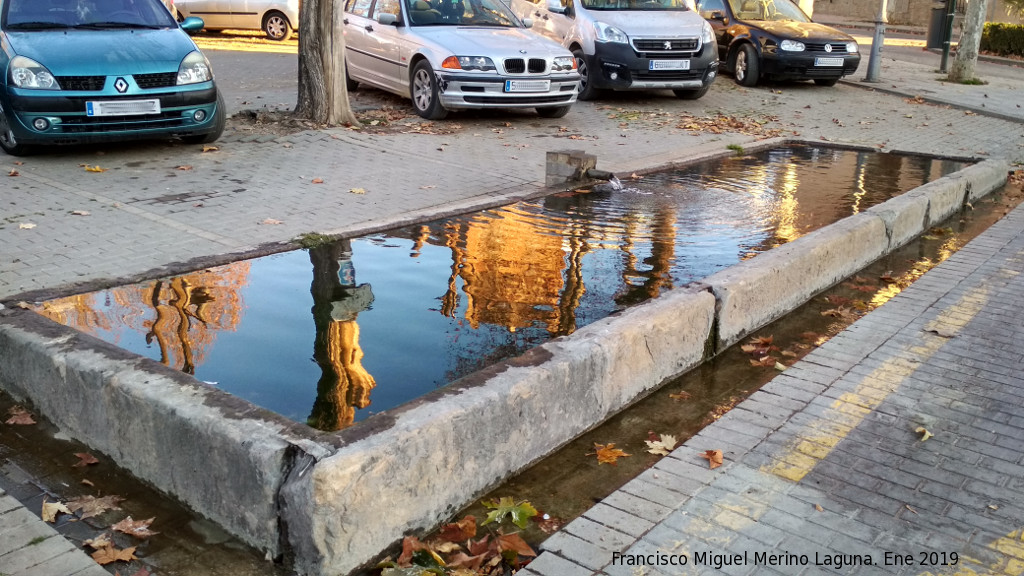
[344,384]
[181,315]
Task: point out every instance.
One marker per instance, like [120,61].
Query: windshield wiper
[37,26]
[106,25]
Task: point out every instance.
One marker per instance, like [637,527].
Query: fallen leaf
[318,180]
[942,332]
[607,453]
[925,434]
[428,187]
[819,508]
[515,543]
[272,222]
[14,172]
[506,505]
[137,528]
[357,191]
[681,395]
[907,506]
[109,554]
[184,167]
[19,416]
[101,541]
[714,458]
[80,213]
[89,168]
[549,524]
[93,506]
[85,459]
[51,509]
[662,446]
[208,148]
[460,531]
[410,545]
[26,226]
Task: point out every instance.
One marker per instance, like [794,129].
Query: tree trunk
[323,97]
[970,39]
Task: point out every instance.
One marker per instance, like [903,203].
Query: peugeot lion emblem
[828,48]
[668,45]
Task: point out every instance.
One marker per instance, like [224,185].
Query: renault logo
[828,48]
[121,85]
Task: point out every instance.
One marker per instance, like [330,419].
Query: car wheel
[425,96]
[8,141]
[587,90]
[826,81]
[219,119]
[747,68]
[276,27]
[556,112]
[350,84]
[692,94]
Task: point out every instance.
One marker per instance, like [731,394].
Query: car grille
[837,47]
[82,83]
[667,75]
[162,80]
[86,124]
[528,100]
[521,65]
[666,44]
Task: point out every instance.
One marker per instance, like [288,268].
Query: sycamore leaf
[515,543]
[682,395]
[357,190]
[26,226]
[51,509]
[521,512]
[663,446]
[819,508]
[93,506]
[208,148]
[317,181]
[271,221]
[14,172]
[607,453]
[714,458]
[460,531]
[109,554]
[80,213]
[410,544]
[89,168]
[184,167]
[20,417]
[137,528]
[925,434]
[101,541]
[84,459]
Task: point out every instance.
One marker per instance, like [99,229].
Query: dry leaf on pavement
[109,554]
[51,509]
[19,416]
[662,446]
[93,506]
[607,453]
[84,459]
[137,528]
[714,458]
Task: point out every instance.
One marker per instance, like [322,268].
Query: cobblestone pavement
[835,431]
[829,463]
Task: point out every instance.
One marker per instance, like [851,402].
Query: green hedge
[1003,39]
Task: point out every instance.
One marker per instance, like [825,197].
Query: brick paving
[835,432]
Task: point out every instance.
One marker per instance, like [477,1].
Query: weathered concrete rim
[320,495]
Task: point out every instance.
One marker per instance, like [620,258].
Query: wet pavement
[160,208]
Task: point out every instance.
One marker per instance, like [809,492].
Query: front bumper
[783,65]
[617,66]
[464,91]
[66,121]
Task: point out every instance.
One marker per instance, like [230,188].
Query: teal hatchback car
[78,71]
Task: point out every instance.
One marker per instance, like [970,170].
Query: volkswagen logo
[828,48]
[121,85]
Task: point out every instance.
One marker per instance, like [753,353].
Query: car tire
[219,119]
[8,141]
[692,94]
[826,81]
[553,112]
[276,26]
[587,90]
[350,84]
[426,98]
[747,68]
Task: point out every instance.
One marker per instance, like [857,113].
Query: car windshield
[655,5]
[777,10]
[487,13]
[85,14]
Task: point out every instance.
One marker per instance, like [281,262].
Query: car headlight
[563,63]
[606,33]
[194,68]
[852,47]
[792,46]
[27,73]
[468,63]
[707,33]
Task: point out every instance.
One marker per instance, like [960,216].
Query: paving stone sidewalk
[829,464]
[30,547]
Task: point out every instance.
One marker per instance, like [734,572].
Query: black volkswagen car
[774,39]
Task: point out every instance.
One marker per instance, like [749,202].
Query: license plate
[121,107]
[527,85]
[828,61]
[669,65]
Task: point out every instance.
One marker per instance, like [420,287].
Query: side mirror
[717,15]
[387,19]
[192,24]
[528,22]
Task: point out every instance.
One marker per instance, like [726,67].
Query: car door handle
[345,21]
[537,13]
[368,28]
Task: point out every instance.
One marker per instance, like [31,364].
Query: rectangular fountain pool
[334,333]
